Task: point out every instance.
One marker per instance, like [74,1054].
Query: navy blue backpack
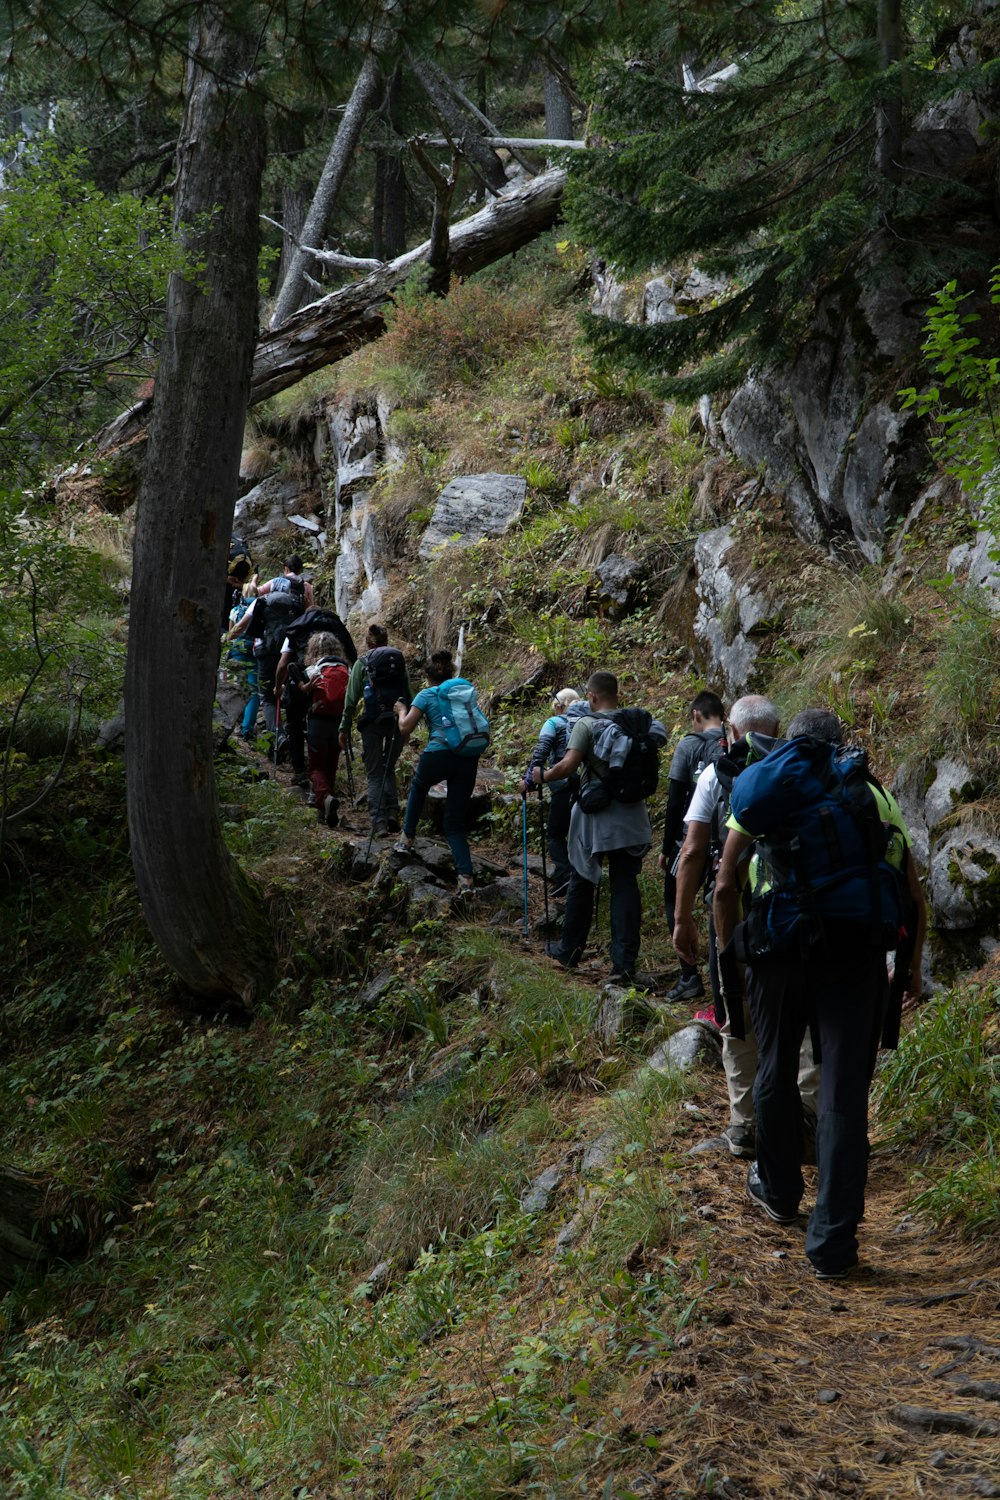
[823,847]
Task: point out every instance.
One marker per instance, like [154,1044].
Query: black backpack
[637,777]
[306,625]
[387,682]
[279,610]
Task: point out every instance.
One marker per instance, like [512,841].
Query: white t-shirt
[705,797]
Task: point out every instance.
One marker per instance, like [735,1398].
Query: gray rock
[951,786]
[600,1153]
[508,893]
[376,1283]
[372,994]
[305,523]
[619,576]
[686,1048]
[972,563]
[267,505]
[963,884]
[727,611]
[111,734]
[536,1198]
[474,507]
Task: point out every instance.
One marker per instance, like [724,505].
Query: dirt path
[800,1388]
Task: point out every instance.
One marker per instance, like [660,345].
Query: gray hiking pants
[380,747]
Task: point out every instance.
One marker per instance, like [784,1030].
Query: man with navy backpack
[834,889]
[616,752]
[378,681]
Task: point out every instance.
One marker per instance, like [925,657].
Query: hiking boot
[707,1018]
[554,950]
[466,884]
[300,778]
[331,811]
[688,987]
[403,845]
[755,1192]
[622,976]
[740,1140]
[853,1271]
[381,831]
[393,825]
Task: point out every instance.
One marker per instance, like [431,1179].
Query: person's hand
[661,860]
[685,939]
[536,775]
[342,739]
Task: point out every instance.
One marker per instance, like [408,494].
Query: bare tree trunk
[393,226]
[481,158]
[335,326]
[290,141]
[889,114]
[363,96]
[204,914]
[558,109]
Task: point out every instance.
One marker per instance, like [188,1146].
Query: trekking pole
[350,772]
[277,729]
[545,868]
[524,830]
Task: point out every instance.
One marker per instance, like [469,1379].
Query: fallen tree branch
[929,1420]
[336,325]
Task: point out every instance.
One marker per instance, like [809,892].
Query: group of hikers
[815,914]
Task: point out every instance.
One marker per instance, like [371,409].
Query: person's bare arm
[690,873]
[406,721]
[726,906]
[570,763]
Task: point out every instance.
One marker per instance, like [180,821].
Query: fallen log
[929,1420]
[328,330]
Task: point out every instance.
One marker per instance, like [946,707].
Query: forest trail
[782,1385]
[800,1388]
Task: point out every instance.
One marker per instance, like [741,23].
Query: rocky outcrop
[471,508]
[955,849]
[729,609]
[847,465]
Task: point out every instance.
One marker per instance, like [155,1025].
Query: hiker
[288,676]
[753,732]
[567,707]
[240,658]
[378,681]
[290,580]
[616,753]
[452,756]
[279,601]
[835,887]
[322,687]
[239,569]
[705,740]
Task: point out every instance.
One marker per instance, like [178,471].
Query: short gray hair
[754,712]
[821,723]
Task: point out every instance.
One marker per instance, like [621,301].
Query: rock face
[846,464]
[355,434]
[471,508]
[728,611]
[958,855]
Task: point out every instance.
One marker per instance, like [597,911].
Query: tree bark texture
[363,96]
[481,158]
[335,326]
[558,109]
[889,114]
[204,914]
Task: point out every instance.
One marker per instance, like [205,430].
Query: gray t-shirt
[691,754]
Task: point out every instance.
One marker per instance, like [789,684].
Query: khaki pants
[739,1058]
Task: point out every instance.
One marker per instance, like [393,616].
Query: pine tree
[774,177]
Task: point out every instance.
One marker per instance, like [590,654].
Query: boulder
[973,564]
[472,508]
[727,611]
[963,885]
[686,1048]
[619,577]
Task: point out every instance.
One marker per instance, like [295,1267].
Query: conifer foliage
[747,136]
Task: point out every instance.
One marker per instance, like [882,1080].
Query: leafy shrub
[459,336]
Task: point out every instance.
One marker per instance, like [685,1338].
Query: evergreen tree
[773,176]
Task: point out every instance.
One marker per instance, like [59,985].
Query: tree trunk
[363,96]
[558,109]
[889,114]
[204,914]
[290,142]
[393,227]
[481,158]
[334,327]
